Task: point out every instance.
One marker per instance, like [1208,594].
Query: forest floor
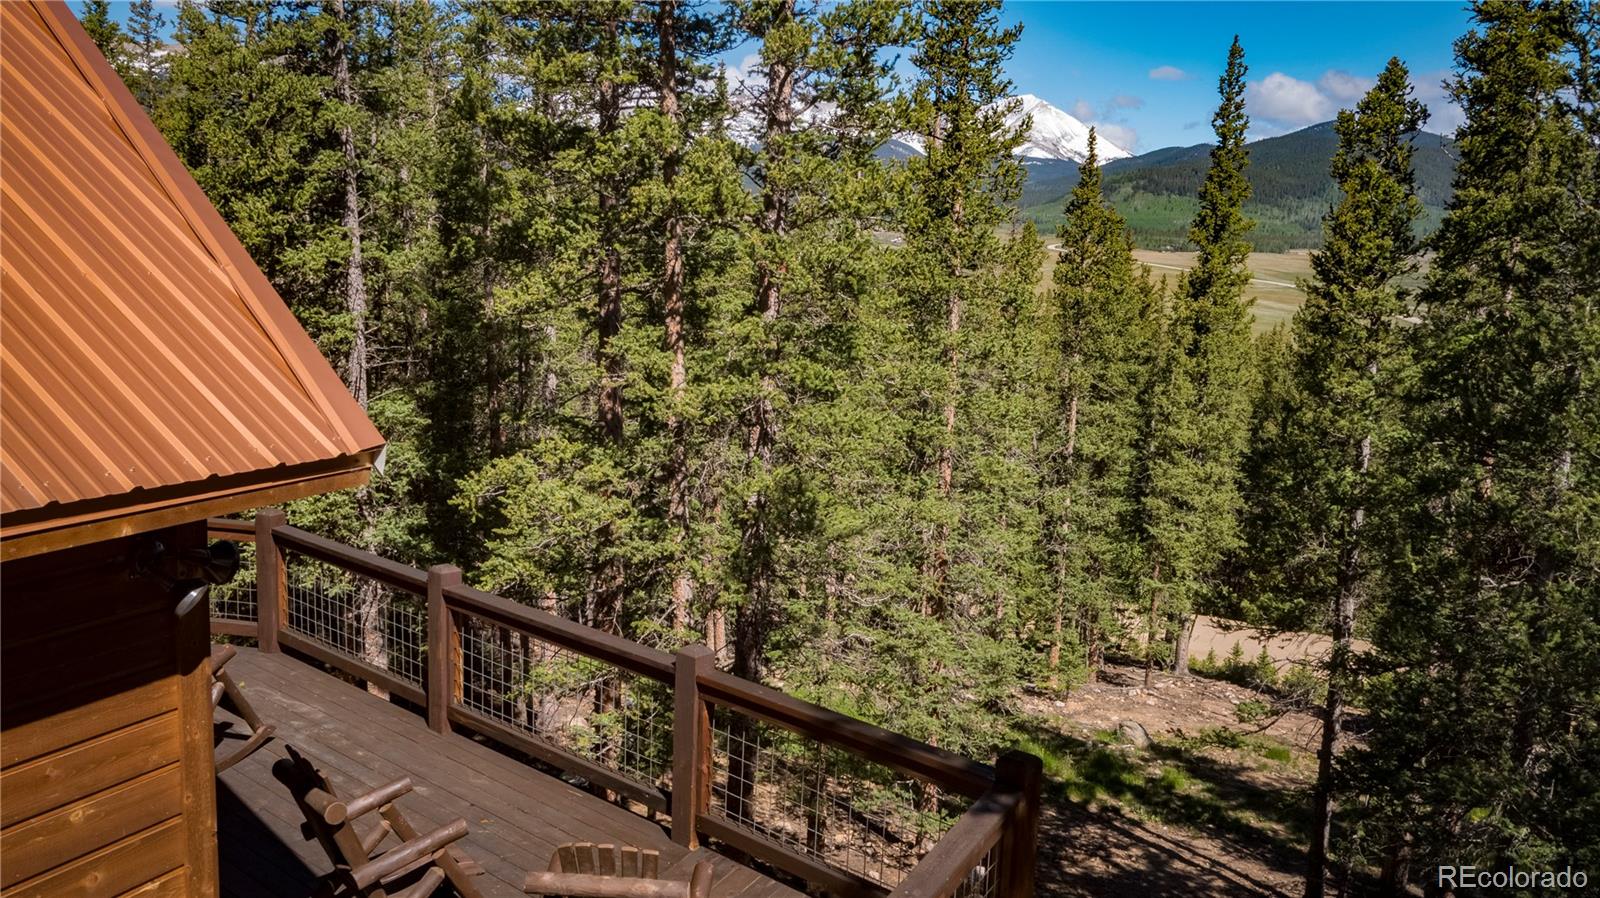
[1212,806]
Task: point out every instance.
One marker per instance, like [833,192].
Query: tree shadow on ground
[1175,783]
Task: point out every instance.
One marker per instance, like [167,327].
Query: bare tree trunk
[754,618]
[1150,630]
[369,594]
[672,302]
[605,604]
[1180,660]
[939,601]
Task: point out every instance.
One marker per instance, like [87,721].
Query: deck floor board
[515,814]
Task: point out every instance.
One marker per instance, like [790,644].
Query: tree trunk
[1180,660]
[1339,663]
[1150,629]
[369,594]
[355,287]
[605,604]
[672,302]
[940,569]
[753,621]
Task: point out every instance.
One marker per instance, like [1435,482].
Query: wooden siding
[105,723]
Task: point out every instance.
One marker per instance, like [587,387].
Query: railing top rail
[624,653]
[231,528]
[944,769]
[392,573]
[943,869]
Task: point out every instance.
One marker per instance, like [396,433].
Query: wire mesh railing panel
[604,714]
[236,599]
[357,617]
[833,806]
[983,880]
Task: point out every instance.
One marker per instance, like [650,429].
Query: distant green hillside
[1289,175]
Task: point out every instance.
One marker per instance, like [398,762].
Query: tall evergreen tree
[106,33]
[1105,320]
[1486,718]
[145,69]
[1333,443]
[1200,406]
[961,194]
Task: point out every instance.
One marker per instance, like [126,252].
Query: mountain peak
[1057,134]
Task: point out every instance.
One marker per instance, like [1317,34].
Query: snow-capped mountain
[1056,136]
[1059,135]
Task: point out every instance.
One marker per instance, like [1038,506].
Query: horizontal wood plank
[88,767]
[140,700]
[140,859]
[624,653]
[945,769]
[63,835]
[349,558]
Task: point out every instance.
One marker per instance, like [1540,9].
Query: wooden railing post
[272,580]
[444,647]
[1022,773]
[691,744]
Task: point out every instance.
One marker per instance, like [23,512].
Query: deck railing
[849,807]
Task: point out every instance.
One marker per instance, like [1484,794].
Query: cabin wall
[106,780]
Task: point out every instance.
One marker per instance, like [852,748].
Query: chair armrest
[221,655]
[377,798]
[397,859]
[588,885]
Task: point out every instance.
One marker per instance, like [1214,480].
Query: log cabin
[151,378]
[152,383]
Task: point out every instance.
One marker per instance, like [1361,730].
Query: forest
[678,354]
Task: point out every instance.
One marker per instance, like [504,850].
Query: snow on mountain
[1058,135]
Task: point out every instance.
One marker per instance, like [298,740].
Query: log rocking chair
[413,869]
[586,870]
[225,694]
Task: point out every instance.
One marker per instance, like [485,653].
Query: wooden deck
[515,815]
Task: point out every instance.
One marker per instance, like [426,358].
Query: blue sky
[1147,72]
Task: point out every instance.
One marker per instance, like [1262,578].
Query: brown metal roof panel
[143,350]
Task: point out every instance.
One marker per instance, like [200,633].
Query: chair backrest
[315,796]
[587,870]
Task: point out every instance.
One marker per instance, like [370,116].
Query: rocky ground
[1169,791]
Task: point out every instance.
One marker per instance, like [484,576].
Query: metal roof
[145,362]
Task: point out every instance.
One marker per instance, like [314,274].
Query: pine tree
[1486,718]
[106,33]
[146,69]
[1346,343]
[960,195]
[1105,321]
[1199,415]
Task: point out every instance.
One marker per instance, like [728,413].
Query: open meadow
[1273,286]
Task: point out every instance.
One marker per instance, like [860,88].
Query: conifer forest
[689,358]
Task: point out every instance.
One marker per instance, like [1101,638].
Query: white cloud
[1168,73]
[1121,135]
[1082,110]
[737,75]
[1445,116]
[1279,99]
[1125,101]
[1280,103]
[1344,87]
